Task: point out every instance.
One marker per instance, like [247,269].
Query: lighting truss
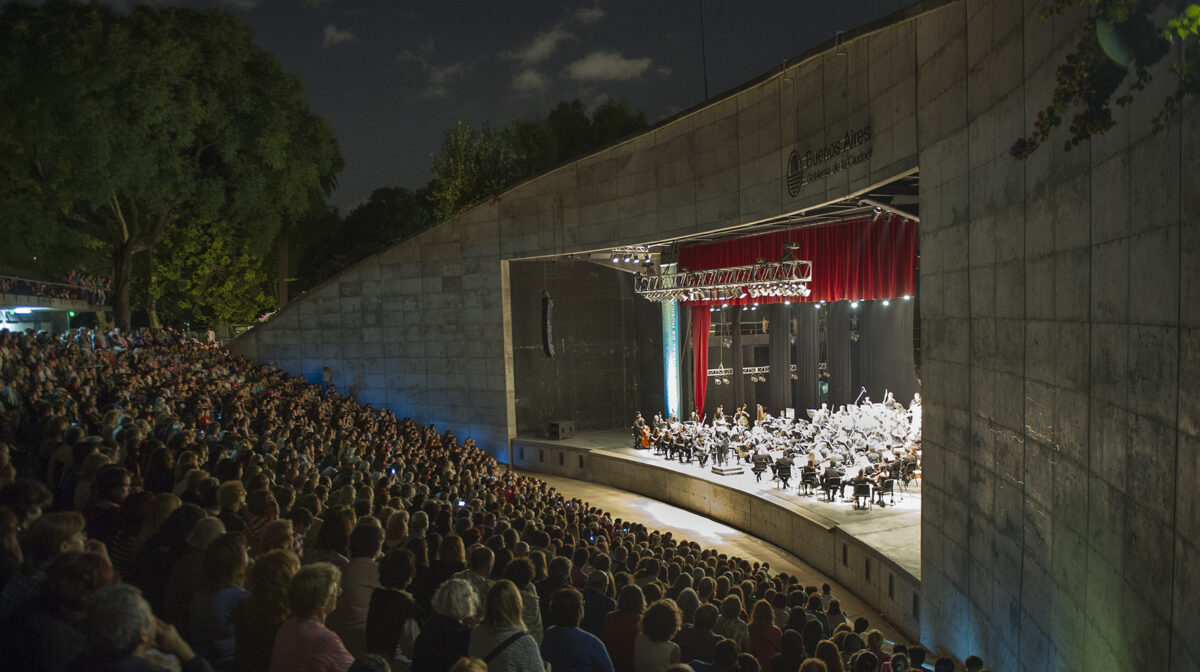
[787,278]
[631,253]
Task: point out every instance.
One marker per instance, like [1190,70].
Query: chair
[784,473]
[831,484]
[888,488]
[862,493]
[808,481]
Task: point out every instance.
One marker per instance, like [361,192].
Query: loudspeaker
[560,429]
[547,329]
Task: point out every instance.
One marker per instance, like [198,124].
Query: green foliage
[472,166]
[476,165]
[1116,39]
[125,128]
[210,275]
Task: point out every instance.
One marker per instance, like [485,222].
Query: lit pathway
[710,534]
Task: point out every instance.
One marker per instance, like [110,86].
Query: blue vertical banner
[670,341]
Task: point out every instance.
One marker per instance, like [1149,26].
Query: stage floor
[894,531]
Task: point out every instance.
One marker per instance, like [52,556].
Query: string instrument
[645,432]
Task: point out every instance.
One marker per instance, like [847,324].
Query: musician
[694,417]
[639,427]
[719,416]
[878,478]
[659,423]
[783,469]
[761,461]
[759,415]
[721,447]
[835,471]
[741,418]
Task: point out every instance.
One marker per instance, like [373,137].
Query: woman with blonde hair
[444,637]
[258,617]
[764,635]
[276,535]
[500,640]
[303,643]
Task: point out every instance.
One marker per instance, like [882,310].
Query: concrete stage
[876,553]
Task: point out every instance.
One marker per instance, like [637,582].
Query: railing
[52,290]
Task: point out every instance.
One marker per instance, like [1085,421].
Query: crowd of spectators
[82,286]
[164,505]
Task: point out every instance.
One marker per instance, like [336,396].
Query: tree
[128,126]
[1118,37]
[473,165]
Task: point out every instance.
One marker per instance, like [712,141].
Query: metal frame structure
[789,277]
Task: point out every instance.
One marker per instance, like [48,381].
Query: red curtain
[701,319]
[857,259]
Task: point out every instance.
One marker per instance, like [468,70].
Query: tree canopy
[130,129]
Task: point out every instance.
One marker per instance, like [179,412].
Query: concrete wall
[1059,305]
[1059,327]
[596,350]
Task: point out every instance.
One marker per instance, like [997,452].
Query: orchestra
[876,445]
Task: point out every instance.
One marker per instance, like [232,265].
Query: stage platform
[876,552]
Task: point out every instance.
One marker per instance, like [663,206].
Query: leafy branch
[1118,38]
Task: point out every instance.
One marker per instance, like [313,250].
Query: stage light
[886,302]
[627,259]
[854,304]
[787,303]
[818,305]
[744,294]
[724,305]
[726,381]
[907,297]
[713,309]
[616,258]
[22,311]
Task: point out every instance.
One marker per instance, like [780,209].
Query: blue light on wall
[670,322]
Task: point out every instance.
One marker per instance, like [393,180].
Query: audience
[244,507]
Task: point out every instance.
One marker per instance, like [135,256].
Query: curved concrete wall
[810,537]
[1060,319]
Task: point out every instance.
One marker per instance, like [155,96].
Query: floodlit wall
[1060,315]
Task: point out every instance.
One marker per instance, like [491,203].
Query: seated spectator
[567,647]
[725,657]
[443,640]
[697,641]
[49,634]
[232,499]
[621,627]
[479,570]
[500,639]
[360,579]
[764,636]
[393,617]
[257,618]
[653,650]
[791,653]
[828,653]
[303,643]
[596,602]
[103,510]
[223,573]
[730,624]
[187,577]
[125,637]
[520,572]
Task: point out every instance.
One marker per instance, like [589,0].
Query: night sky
[392,75]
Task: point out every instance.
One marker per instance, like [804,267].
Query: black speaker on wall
[547,329]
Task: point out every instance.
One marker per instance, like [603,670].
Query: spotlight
[754,307]
[627,259]
[907,297]
[713,309]
[886,302]
[787,303]
[616,258]
[724,305]
[854,304]
[818,305]
[744,294]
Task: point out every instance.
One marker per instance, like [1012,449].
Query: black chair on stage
[888,488]
[862,496]
[760,467]
[783,472]
[830,485]
[808,481]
